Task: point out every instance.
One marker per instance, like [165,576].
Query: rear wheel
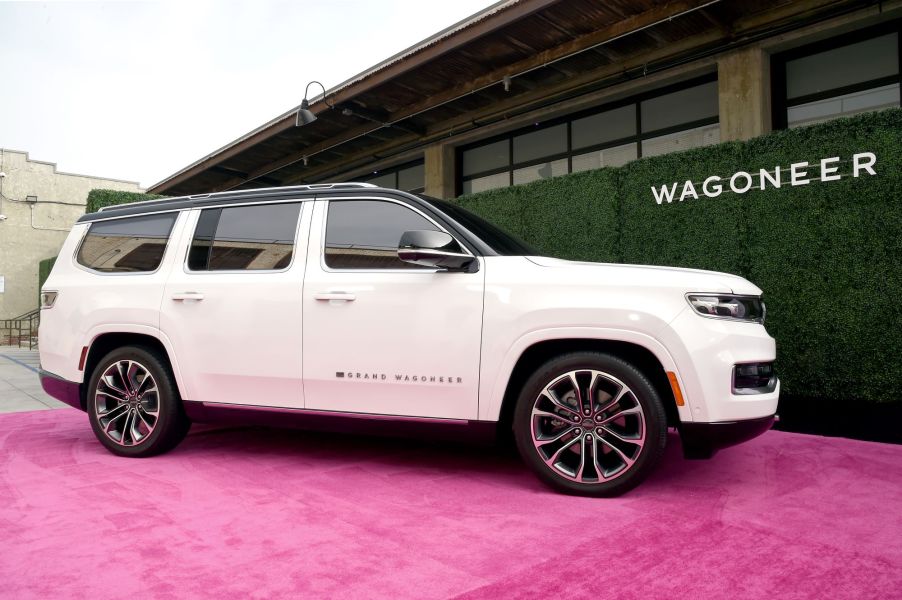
[591,424]
[133,403]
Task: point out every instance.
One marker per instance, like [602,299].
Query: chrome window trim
[190,208]
[310,187]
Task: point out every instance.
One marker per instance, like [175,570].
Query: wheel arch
[542,351]
[104,343]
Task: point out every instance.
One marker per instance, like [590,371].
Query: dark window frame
[211,241]
[781,104]
[395,170]
[408,269]
[637,138]
[77,258]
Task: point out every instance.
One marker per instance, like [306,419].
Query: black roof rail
[239,193]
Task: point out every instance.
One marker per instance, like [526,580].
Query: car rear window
[129,245]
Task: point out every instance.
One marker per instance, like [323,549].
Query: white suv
[324,305]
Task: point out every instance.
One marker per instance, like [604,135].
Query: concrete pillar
[744,94]
[440,171]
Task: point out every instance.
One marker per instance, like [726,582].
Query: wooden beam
[236,174]
[632,23]
[366,83]
[638,21]
[581,43]
[293,157]
[524,103]
[258,136]
[491,24]
[714,19]
[744,26]
[378,116]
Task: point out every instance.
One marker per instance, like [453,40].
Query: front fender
[493,385]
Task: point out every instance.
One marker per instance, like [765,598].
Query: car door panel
[238,332]
[390,341]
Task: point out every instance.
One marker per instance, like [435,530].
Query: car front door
[232,308]
[382,336]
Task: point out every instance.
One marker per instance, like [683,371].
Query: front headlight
[728,306]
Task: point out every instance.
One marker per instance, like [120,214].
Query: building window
[837,77]
[409,177]
[675,118]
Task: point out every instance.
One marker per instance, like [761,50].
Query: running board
[343,422]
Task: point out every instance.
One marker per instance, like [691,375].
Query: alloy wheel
[127,402]
[588,426]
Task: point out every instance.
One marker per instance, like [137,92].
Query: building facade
[531,89]
[38,205]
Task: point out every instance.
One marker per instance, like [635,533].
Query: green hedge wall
[826,254]
[97,199]
[572,217]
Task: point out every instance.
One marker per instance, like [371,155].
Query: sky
[140,90]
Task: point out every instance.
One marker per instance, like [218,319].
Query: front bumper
[61,389]
[706,352]
[702,440]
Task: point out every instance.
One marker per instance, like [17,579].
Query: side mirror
[433,249]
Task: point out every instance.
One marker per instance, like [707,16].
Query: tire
[134,405]
[604,453]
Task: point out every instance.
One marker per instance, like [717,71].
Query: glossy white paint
[529,300]
[405,341]
[279,339]
[705,351]
[92,303]
[240,331]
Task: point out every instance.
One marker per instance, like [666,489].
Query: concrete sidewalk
[20,389]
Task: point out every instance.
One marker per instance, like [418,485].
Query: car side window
[244,238]
[364,234]
[129,245]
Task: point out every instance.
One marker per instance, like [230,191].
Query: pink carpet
[257,513]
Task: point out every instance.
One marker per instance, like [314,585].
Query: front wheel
[133,403]
[591,424]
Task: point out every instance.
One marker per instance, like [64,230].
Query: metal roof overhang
[548,51]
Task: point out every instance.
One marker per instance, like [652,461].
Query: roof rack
[310,186]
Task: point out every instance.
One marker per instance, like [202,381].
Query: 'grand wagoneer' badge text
[398,377]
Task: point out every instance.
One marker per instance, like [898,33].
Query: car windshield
[502,242]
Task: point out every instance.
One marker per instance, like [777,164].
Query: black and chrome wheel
[590,423]
[133,404]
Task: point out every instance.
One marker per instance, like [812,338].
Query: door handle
[344,296]
[187,296]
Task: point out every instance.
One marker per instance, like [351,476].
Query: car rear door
[232,303]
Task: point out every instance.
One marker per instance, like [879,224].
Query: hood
[689,280]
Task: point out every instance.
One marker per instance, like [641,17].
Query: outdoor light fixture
[305,115]
[31,198]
